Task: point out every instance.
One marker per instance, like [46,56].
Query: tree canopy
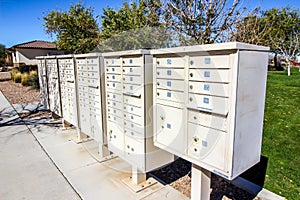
[76,30]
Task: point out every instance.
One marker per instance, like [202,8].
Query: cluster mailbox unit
[90,94]
[66,67]
[42,73]
[203,103]
[209,104]
[128,80]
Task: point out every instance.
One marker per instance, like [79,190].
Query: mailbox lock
[158,94]
[162,117]
[157,73]
[195,118]
[191,99]
[123,61]
[107,69]
[157,83]
[162,127]
[110,132]
[191,87]
[191,74]
[192,62]
[157,62]
[196,140]
[123,70]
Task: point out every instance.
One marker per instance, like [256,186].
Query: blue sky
[22,20]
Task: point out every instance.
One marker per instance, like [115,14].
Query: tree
[133,26]
[207,21]
[3,54]
[284,35]
[76,30]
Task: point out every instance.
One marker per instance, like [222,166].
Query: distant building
[25,53]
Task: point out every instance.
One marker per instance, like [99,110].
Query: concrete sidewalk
[26,172]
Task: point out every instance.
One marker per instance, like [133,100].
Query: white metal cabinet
[128,77]
[216,121]
[68,88]
[90,88]
[42,73]
[53,85]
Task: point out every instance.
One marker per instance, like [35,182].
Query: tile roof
[36,44]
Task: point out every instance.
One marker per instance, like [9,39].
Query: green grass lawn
[281,139]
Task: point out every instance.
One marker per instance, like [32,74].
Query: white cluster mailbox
[53,85]
[128,81]
[90,94]
[209,104]
[42,73]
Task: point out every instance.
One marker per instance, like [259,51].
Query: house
[25,53]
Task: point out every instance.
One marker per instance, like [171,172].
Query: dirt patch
[15,92]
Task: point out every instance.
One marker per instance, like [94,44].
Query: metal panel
[170,73]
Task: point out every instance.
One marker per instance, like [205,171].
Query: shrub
[25,79]
[34,80]
[27,68]
[18,77]
[13,74]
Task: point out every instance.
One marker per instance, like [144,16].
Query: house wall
[27,56]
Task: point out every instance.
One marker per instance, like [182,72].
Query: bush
[34,80]
[25,79]
[27,68]
[13,74]
[18,77]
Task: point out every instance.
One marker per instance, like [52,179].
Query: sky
[22,20]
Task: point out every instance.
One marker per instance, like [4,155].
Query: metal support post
[200,189]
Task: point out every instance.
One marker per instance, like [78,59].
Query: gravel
[15,92]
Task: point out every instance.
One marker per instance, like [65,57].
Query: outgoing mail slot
[133,118]
[132,71]
[133,100]
[114,111]
[170,95]
[207,145]
[114,77]
[209,75]
[173,62]
[133,79]
[208,120]
[133,61]
[169,73]
[115,104]
[215,61]
[169,127]
[170,84]
[113,70]
[216,89]
[207,103]
[133,109]
[114,85]
[131,89]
